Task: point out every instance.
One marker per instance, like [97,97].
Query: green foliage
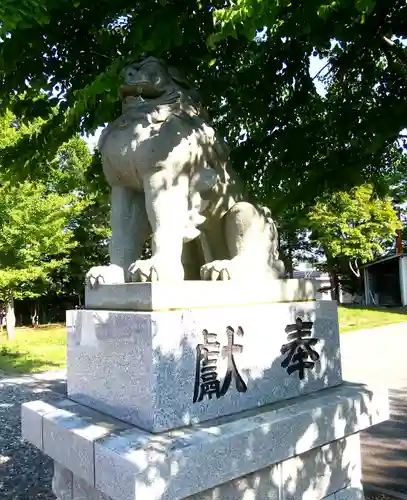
[393,182]
[355,224]
[79,172]
[246,16]
[35,239]
[285,137]
[21,14]
[53,231]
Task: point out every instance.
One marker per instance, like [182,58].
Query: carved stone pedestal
[226,401]
[148,367]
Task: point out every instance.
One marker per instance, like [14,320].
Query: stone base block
[331,472]
[167,369]
[305,449]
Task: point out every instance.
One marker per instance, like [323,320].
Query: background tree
[47,249]
[352,226]
[77,171]
[394,184]
[35,240]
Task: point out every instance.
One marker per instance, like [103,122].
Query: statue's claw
[221,270]
[151,270]
[241,268]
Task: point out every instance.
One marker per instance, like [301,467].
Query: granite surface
[323,471]
[163,370]
[134,464]
[265,484]
[161,296]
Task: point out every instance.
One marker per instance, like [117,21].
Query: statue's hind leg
[247,236]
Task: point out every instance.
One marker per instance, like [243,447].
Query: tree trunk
[34,315]
[10,316]
[333,277]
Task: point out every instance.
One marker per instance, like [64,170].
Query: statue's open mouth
[141,88]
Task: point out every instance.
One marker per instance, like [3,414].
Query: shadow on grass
[13,360]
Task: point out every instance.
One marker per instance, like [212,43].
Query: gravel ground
[25,473]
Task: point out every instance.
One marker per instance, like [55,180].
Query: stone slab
[73,449]
[265,484]
[132,464]
[68,432]
[197,294]
[32,414]
[83,491]
[179,463]
[144,367]
[31,421]
[62,482]
[322,471]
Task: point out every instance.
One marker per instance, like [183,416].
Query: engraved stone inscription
[207,382]
[299,349]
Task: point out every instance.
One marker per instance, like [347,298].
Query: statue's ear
[176,75]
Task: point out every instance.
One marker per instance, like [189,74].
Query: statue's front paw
[156,270]
[104,275]
[239,268]
[222,270]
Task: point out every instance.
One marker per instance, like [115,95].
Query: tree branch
[97,54]
[356,270]
[397,50]
[321,70]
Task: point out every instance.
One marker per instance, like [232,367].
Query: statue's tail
[275,261]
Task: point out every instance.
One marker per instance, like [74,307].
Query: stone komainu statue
[170,179]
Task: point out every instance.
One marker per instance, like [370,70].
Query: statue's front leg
[130,227]
[166,198]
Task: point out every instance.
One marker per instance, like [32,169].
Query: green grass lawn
[44,348]
[34,350]
[358,318]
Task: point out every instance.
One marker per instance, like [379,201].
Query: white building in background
[306,271]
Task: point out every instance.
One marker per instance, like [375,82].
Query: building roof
[383,259]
